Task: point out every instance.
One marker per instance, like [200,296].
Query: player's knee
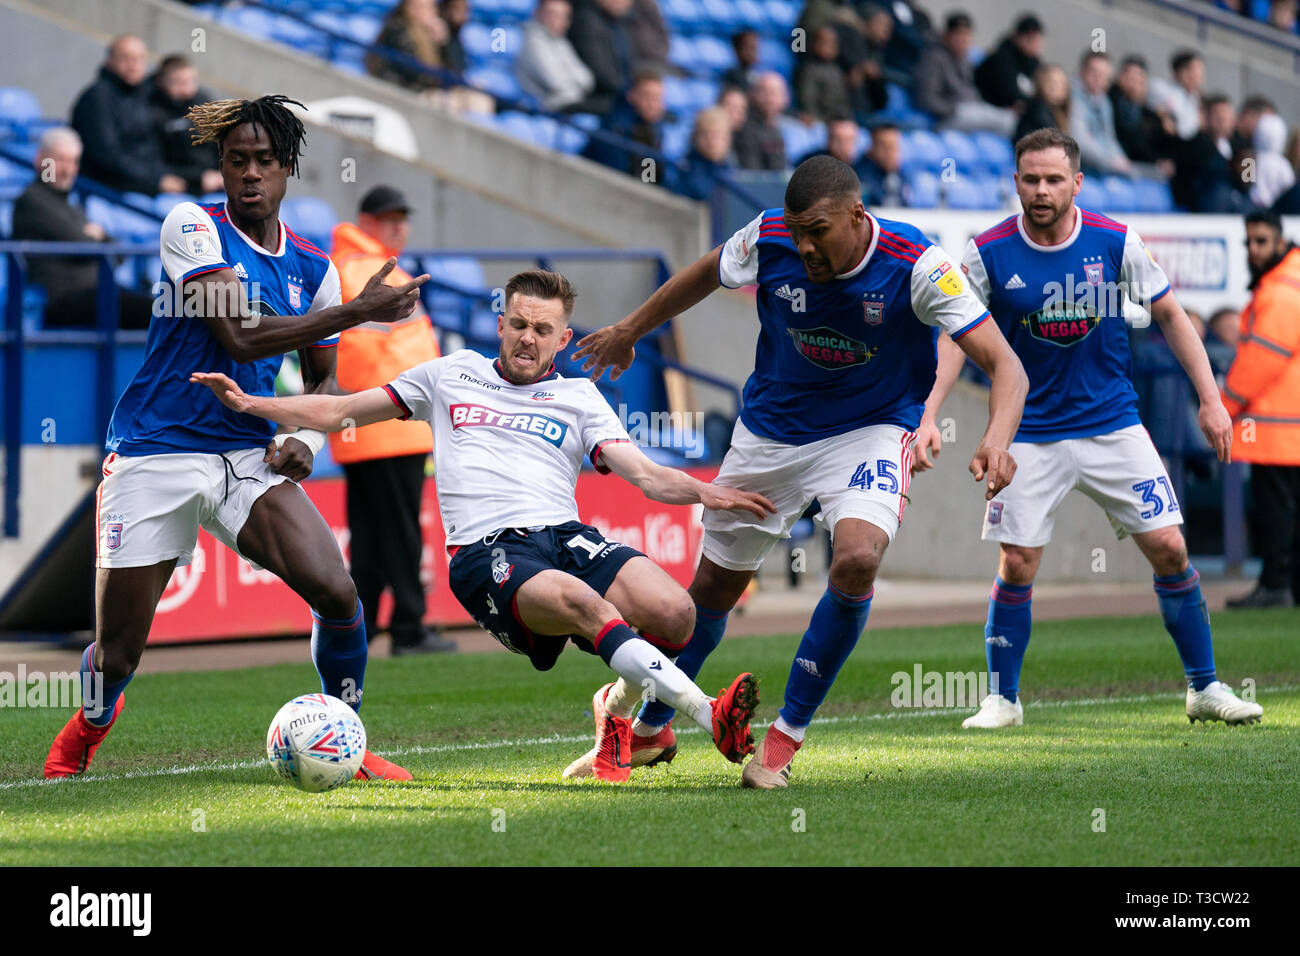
[717,588]
[334,598]
[1018,566]
[676,618]
[1168,554]
[854,567]
[117,660]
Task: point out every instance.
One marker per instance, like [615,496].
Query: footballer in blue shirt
[849,307]
[1056,279]
[238,289]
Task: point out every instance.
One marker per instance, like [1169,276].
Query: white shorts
[149,508]
[1120,470]
[860,474]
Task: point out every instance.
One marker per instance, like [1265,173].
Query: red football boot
[731,712]
[75,746]
[375,767]
[613,751]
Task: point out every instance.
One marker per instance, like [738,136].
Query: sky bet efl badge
[949,282]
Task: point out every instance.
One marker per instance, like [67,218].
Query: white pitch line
[899,714]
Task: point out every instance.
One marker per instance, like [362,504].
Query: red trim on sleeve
[595,453]
[397,400]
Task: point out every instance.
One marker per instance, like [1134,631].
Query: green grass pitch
[183,778]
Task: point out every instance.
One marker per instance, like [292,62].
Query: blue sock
[1188,622]
[98,703]
[832,634]
[338,649]
[1006,635]
[709,627]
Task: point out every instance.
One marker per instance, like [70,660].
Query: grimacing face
[828,235]
[1046,186]
[532,332]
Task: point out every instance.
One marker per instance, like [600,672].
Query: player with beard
[238,289]
[1055,278]
[849,309]
[509,438]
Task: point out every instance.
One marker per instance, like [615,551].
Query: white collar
[1063,244]
[256,245]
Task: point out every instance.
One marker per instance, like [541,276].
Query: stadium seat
[922,150]
[677,139]
[783,14]
[570,139]
[775,54]
[752,14]
[1121,196]
[1153,196]
[681,51]
[923,191]
[677,95]
[163,203]
[995,152]
[683,15]
[310,217]
[1092,196]
[722,16]
[19,110]
[499,82]
[476,38]
[713,54]
[968,192]
[958,146]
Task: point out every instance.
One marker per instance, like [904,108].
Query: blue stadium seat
[6,230]
[477,40]
[923,191]
[677,139]
[310,217]
[681,51]
[783,15]
[683,15]
[585,121]
[960,147]
[922,149]
[1153,196]
[996,152]
[164,203]
[18,108]
[1092,196]
[775,54]
[968,192]
[677,95]
[704,93]
[1120,194]
[501,83]
[722,15]
[753,15]
[714,54]
[569,139]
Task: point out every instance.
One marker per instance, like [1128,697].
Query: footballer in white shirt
[509,439]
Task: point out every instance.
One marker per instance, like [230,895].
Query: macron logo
[1015,282]
[809,666]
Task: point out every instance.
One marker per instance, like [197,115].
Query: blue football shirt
[1062,309]
[161,412]
[856,351]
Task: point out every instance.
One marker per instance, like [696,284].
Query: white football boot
[996,711]
[1218,702]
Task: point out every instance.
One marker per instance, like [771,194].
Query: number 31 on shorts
[1147,489]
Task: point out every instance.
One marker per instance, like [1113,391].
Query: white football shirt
[507,455]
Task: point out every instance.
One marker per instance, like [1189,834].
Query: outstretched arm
[988,348]
[326,413]
[1188,348]
[613,346]
[673,487]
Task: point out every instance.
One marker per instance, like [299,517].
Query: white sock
[622,699]
[794,733]
[641,665]
[641,729]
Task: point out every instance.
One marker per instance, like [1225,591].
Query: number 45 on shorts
[885,477]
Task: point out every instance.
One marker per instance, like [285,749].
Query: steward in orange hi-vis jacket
[1262,393]
[384,462]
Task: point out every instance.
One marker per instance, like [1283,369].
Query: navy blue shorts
[485,575]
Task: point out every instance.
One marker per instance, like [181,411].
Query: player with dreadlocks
[238,289]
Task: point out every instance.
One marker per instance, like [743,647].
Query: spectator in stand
[455,14]
[601,33]
[709,156]
[1092,119]
[1204,179]
[736,103]
[945,83]
[1006,77]
[413,29]
[1273,174]
[1283,15]
[822,93]
[744,74]
[877,39]
[649,37]
[176,89]
[1049,107]
[1181,99]
[759,144]
[548,68]
[911,34]
[881,168]
[1143,134]
[1262,393]
[1251,109]
[1221,339]
[116,125]
[639,116]
[841,142]
[42,212]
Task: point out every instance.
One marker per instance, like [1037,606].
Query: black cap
[384,199]
[1028,24]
